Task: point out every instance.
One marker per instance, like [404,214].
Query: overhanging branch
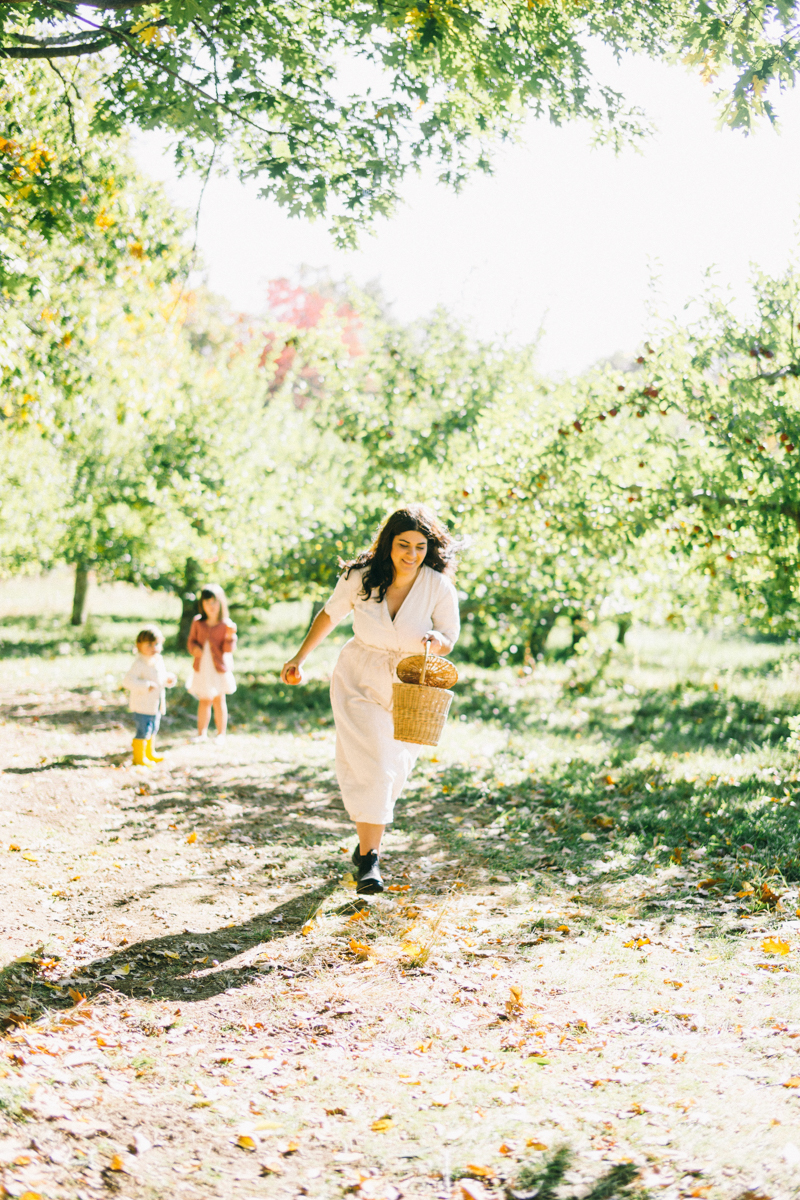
[55,51]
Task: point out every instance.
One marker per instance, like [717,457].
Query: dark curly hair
[377,561]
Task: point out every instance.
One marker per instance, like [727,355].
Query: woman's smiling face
[408,552]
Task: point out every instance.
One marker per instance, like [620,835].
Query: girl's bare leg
[369,837]
[220,714]
[203,716]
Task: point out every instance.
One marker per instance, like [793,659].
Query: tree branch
[55,51]
[62,40]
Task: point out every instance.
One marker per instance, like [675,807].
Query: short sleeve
[344,597]
[446,619]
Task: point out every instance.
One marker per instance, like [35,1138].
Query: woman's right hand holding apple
[292,673]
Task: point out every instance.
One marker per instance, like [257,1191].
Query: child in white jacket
[147,681]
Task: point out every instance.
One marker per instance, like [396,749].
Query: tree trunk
[79,595]
[191,580]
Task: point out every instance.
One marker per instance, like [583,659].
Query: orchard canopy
[329,105]
[150,435]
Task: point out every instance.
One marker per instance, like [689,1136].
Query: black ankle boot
[357,857]
[369,874]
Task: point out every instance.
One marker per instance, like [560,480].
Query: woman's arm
[320,628]
[438,643]
[445,620]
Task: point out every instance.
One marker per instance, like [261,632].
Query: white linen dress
[372,768]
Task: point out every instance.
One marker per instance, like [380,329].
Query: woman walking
[401,599]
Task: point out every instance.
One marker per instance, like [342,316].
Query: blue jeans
[146,725]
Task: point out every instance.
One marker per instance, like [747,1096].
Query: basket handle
[424,665]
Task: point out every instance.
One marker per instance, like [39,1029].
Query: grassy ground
[582,982]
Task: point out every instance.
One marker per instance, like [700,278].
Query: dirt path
[199,1006]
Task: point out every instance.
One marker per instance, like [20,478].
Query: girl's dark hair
[212,591]
[377,561]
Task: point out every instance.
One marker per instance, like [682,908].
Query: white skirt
[208,682]
[372,768]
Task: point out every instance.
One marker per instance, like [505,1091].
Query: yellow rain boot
[148,750]
[138,753]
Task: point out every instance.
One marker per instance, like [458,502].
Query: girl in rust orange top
[212,638]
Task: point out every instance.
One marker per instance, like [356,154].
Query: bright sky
[563,236]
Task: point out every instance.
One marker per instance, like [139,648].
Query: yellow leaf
[30,857]
[171,954]
[481,1172]
[533,1144]
[611,782]
[22,1160]
[399,887]
[13,846]
[116,1164]
[360,949]
[261,1125]
[636,943]
[192,838]
[30,1196]
[794,1082]
[245,1142]
[505,1149]
[773,945]
[356,917]
[382,1125]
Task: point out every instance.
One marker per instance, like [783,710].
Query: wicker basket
[420,711]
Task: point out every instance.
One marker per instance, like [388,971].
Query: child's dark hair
[212,591]
[150,633]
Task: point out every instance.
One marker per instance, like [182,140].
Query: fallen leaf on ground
[471,1189]
[360,949]
[533,1144]
[30,857]
[116,1163]
[442,1100]
[794,1082]
[245,1142]
[271,1166]
[382,1125]
[192,838]
[481,1172]
[774,945]
[636,943]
